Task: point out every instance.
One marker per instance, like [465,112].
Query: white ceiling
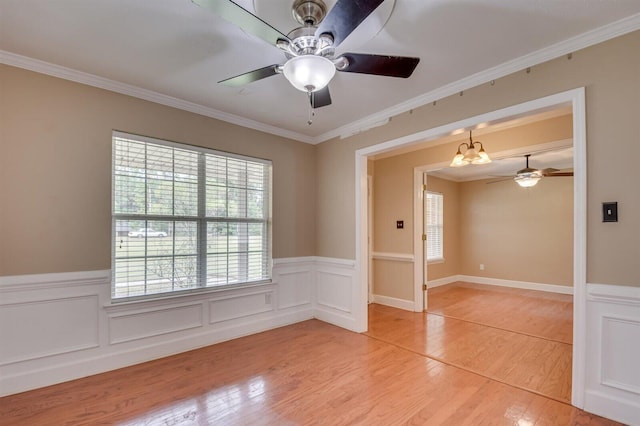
[174,52]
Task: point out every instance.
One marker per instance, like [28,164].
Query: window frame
[201,219]
[439,226]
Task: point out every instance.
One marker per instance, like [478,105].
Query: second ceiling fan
[529,177]
[310,49]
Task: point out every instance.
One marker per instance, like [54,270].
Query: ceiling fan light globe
[528,180]
[309,73]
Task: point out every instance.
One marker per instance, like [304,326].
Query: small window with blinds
[434,227]
[186,218]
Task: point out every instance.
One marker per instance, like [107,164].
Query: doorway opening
[574,100]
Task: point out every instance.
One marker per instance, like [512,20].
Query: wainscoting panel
[335,292]
[612,387]
[59,327]
[239,306]
[25,334]
[295,283]
[135,325]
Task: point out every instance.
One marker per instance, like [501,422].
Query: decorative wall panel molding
[612,380]
[238,306]
[26,334]
[59,327]
[140,324]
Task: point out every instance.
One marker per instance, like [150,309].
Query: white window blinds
[186,218]
[433,226]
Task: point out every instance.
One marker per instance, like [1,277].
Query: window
[433,224]
[186,218]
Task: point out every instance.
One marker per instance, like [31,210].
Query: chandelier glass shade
[470,156]
[309,73]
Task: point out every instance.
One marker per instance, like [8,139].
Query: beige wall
[393,279]
[55,171]
[393,200]
[610,72]
[518,234]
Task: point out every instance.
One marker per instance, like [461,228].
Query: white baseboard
[406,305]
[443,281]
[526,285]
[611,407]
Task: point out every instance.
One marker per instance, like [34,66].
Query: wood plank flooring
[517,337]
[310,373]
[536,313]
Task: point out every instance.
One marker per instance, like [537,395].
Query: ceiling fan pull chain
[312,112]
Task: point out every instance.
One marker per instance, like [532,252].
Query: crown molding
[573,44]
[54,70]
[599,35]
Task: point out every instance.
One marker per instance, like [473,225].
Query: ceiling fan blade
[320,98]
[549,170]
[344,17]
[389,66]
[244,19]
[558,174]
[502,179]
[251,76]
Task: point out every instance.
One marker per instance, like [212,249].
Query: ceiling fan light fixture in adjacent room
[309,73]
[528,179]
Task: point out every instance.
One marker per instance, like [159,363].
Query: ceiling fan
[310,48]
[529,177]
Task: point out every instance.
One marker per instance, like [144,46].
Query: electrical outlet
[482,266]
[267,299]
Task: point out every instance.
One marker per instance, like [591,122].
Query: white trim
[406,305]
[293,260]
[526,285]
[333,261]
[581,41]
[397,257]
[54,280]
[573,44]
[575,98]
[420,273]
[361,270]
[443,281]
[612,384]
[579,363]
[623,295]
[612,407]
[59,71]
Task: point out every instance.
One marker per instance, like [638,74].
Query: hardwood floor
[309,373]
[517,337]
[535,313]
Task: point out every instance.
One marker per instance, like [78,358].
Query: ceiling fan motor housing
[305,42]
[309,12]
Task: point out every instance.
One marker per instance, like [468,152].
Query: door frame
[574,98]
[421,270]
